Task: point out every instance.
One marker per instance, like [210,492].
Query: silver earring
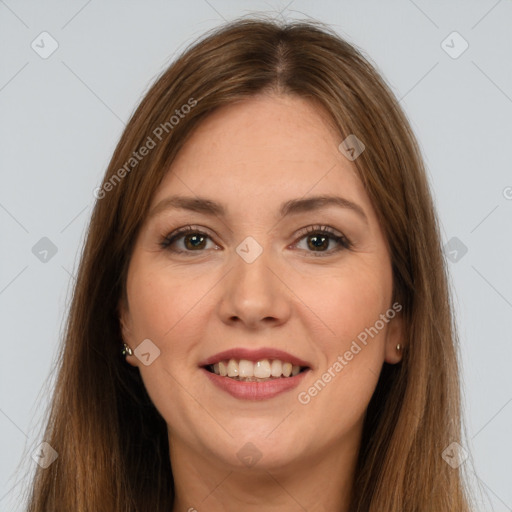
[398,347]
[126,350]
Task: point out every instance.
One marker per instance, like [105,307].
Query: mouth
[262,370]
[255,374]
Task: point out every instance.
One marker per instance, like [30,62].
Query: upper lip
[254,355]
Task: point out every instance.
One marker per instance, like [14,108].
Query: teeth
[262,369]
[276,368]
[245,368]
[265,369]
[287,369]
[232,368]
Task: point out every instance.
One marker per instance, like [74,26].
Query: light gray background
[62,116]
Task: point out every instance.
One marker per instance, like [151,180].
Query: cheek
[161,301]
[163,308]
[350,305]
[348,301]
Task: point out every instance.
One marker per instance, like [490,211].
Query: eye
[194,240]
[319,237]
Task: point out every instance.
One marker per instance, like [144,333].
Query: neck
[315,484]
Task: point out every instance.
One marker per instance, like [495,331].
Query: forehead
[261,148]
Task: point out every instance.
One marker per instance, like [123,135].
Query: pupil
[196,238]
[315,239]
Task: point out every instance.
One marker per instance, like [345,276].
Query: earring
[398,347]
[126,350]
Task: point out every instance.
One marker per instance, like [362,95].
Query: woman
[265,253]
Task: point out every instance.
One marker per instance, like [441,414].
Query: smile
[254,374]
[259,371]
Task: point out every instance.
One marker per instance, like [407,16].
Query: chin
[261,446]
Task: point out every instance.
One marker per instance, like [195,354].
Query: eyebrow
[291,207]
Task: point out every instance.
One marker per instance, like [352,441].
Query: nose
[255,294]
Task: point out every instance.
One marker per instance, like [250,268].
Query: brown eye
[318,240]
[194,240]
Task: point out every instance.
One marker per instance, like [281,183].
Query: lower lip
[255,390]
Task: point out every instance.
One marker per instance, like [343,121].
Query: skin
[252,156]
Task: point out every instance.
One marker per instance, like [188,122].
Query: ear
[125,322]
[395,336]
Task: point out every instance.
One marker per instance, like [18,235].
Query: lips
[255,374]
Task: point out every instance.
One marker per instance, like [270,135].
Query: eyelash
[342,241]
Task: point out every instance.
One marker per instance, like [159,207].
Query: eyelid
[319,228]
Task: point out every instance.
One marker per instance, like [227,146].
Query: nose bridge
[254,292]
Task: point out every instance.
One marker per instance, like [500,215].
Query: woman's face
[268,278]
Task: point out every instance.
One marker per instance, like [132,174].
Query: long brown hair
[112,446]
